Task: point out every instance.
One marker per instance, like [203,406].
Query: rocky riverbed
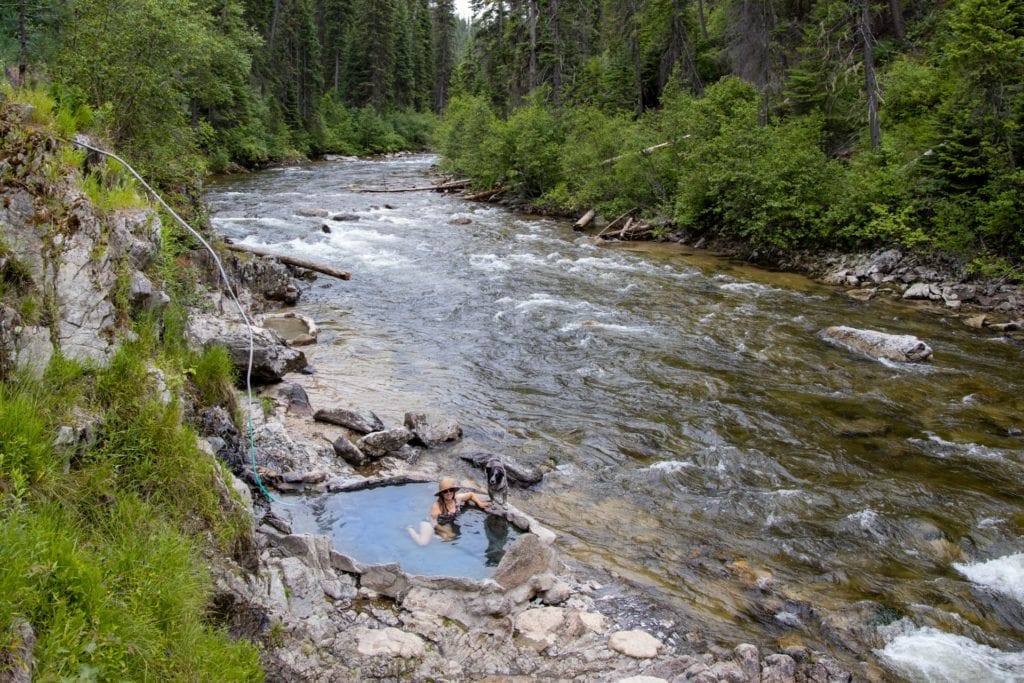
[322,615]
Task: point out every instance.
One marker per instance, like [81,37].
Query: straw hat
[446,484]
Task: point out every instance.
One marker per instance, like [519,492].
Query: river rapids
[702,441]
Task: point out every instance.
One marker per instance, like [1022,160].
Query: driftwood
[647,151]
[481,196]
[453,185]
[612,224]
[584,220]
[292,261]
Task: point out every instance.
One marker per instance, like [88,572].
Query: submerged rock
[897,347]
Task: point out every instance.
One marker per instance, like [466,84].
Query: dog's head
[495,470]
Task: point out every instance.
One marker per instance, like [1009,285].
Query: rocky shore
[321,614]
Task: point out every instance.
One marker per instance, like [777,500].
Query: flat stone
[636,644]
[918,290]
[593,621]
[976,321]
[313,213]
[862,294]
[350,420]
[388,642]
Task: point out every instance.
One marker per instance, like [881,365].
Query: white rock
[593,621]
[642,679]
[388,642]
[636,644]
[540,625]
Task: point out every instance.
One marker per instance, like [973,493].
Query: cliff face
[70,273]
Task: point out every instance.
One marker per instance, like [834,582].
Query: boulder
[525,558]
[878,345]
[976,321]
[313,213]
[388,642]
[430,430]
[350,420]
[379,444]
[922,290]
[272,359]
[518,473]
[636,644]
[344,217]
[348,452]
[297,398]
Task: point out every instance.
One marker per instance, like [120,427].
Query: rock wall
[79,271]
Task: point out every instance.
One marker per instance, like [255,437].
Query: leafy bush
[467,140]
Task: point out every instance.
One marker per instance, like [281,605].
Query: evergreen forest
[783,124]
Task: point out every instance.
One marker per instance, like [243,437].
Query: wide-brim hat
[446,484]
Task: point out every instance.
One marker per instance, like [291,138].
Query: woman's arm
[423,535]
[475,499]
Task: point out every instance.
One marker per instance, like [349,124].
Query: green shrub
[467,139]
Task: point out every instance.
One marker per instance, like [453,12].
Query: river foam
[1003,575]
[928,654]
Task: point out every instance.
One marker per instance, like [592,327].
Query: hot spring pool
[370,526]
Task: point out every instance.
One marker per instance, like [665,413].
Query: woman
[449,505]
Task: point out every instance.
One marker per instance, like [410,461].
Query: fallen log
[482,196]
[453,185]
[647,151]
[612,224]
[584,220]
[291,260]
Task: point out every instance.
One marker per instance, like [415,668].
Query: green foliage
[530,141]
[95,548]
[466,138]
[109,186]
[214,377]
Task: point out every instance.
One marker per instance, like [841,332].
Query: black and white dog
[497,479]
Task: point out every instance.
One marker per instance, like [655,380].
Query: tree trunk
[273,26]
[532,79]
[703,19]
[634,49]
[23,40]
[869,75]
[293,261]
[896,10]
[556,76]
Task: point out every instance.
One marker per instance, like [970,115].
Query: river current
[703,442]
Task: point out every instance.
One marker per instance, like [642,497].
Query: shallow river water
[705,443]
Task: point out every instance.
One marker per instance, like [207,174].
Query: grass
[102,543]
[102,559]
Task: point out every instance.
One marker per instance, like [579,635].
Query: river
[703,441]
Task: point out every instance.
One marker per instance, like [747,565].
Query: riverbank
[939,284]
[322,615]
[648,373]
